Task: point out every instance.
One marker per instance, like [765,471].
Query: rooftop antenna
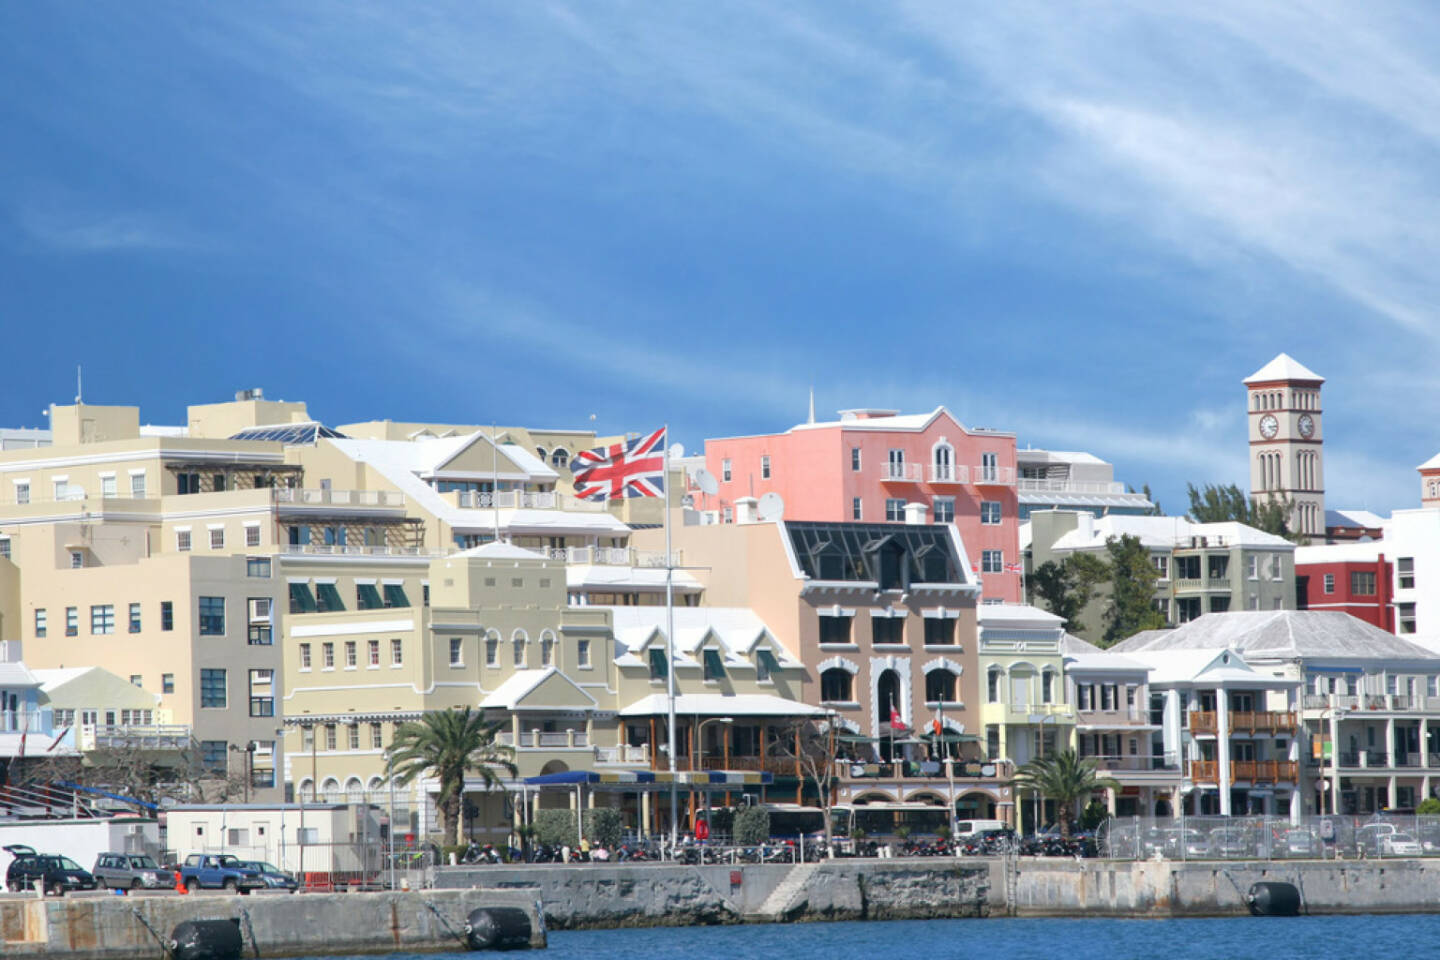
[812,404]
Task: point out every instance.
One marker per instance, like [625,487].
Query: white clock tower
[1286,453]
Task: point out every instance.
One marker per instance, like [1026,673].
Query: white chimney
[747,510]
[1087,524]
[915,512]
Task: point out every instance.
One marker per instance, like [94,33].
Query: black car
[56,874]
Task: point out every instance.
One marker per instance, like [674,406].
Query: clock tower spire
[1286,446]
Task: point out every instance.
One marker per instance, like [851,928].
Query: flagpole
[495,477]
[670,641]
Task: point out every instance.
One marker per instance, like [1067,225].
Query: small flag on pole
[895,722]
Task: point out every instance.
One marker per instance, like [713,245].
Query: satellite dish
[705,480]
[677,450]
[772,507]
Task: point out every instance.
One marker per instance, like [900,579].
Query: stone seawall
[674,895]
[102,927]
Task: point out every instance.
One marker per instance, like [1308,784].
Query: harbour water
[1227,938]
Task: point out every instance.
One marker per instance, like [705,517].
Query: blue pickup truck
[213,871]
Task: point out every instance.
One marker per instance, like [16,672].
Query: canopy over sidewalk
[633,780]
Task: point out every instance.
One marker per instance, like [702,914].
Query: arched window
[1047,687]
[542,453]
[492,649]
[518,640]
[331,788]
[354,791]
[547,649]
[836,686]
[307,789]
[943,465]
[992,685]
[887,690]
[560,459]
[940,687]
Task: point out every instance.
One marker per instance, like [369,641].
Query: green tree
[1067,587]
[1132,590]
[1155,509]
[1216,504]
[752,826]
[1064,778]
[449,744]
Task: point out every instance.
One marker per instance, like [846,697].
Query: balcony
[1205,585]
[356,550]
[1244,721]
[987,476]
[624,753]
[1255,771]
[613,556]
[901,473]
[1091,488]
[165,736]
[947,473]
[322,497]
[1136,764]
[1371,702]
[545,739]
[925,770]
[516,499]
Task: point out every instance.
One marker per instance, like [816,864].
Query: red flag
[938,728]
[895,722]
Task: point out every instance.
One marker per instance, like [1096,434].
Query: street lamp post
[699,746]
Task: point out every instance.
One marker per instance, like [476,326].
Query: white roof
[1283,367]
[1032,455]
[1016,614]
[14,673]
[1431,463]
[720,705]
[520,683]
[615,575]
[404,462]
[498,550]
[878,420]
[1279,634]
[55,678]
[1355,518]
[1166,533]
[1204,666]
[737,628]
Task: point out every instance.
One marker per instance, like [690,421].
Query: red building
[1353,578]
[877,466]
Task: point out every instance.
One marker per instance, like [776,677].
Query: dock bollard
[207,940]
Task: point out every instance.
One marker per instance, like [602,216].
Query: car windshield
[229,862]
[143,863]
[265,867]
[1401,838]
[67,864]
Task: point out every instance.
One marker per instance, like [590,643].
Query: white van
[971,828]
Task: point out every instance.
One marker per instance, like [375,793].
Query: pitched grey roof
[1282,634]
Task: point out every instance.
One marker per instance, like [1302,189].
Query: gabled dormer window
[658,664]
[714,666]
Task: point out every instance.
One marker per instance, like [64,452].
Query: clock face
[1269,426]
[1307,426]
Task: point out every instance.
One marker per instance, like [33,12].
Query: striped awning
[643,779]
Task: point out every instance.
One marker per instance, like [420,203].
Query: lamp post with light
[699,747]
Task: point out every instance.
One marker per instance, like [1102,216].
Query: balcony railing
[901,472]
[165,736]
[613,556]
[310,496]
[925,769]
[1244,721]
[1069,486]
[993,476]
[1170,762]
[544,739]
[1376,702]
[356,550]
[623,754]
[1256,771]
[513,499]
[948,473]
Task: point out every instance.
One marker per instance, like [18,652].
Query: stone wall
[106,927]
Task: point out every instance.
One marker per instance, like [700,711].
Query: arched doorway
[554,798]
[975,806]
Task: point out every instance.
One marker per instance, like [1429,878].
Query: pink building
[871,465]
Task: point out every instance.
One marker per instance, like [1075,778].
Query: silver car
[131,871]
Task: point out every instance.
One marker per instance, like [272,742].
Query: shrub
[1429,807]
[1095,813]
[555,827]
[752,825]
[603,825]
[722,822]
[456,848]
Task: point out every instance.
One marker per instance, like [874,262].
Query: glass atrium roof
[290,434]
[892,553]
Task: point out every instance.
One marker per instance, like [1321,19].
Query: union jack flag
[633,469]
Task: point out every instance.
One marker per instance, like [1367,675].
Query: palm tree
[451,744]
[1065,778]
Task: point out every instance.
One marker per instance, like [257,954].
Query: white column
[1222,748]
[1334,758]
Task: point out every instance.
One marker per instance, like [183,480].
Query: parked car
[1399,845]
[1232,843]
[1186,844]
[56,874]
[1298,842]
[131,872]
[219,871]
[274,877]
[1370,839]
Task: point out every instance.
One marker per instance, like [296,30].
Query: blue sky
[1086,224]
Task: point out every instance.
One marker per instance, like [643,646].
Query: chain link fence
[1384,836]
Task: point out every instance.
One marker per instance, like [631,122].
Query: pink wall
[811,469]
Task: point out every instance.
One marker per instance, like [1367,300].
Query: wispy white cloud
[89,233]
